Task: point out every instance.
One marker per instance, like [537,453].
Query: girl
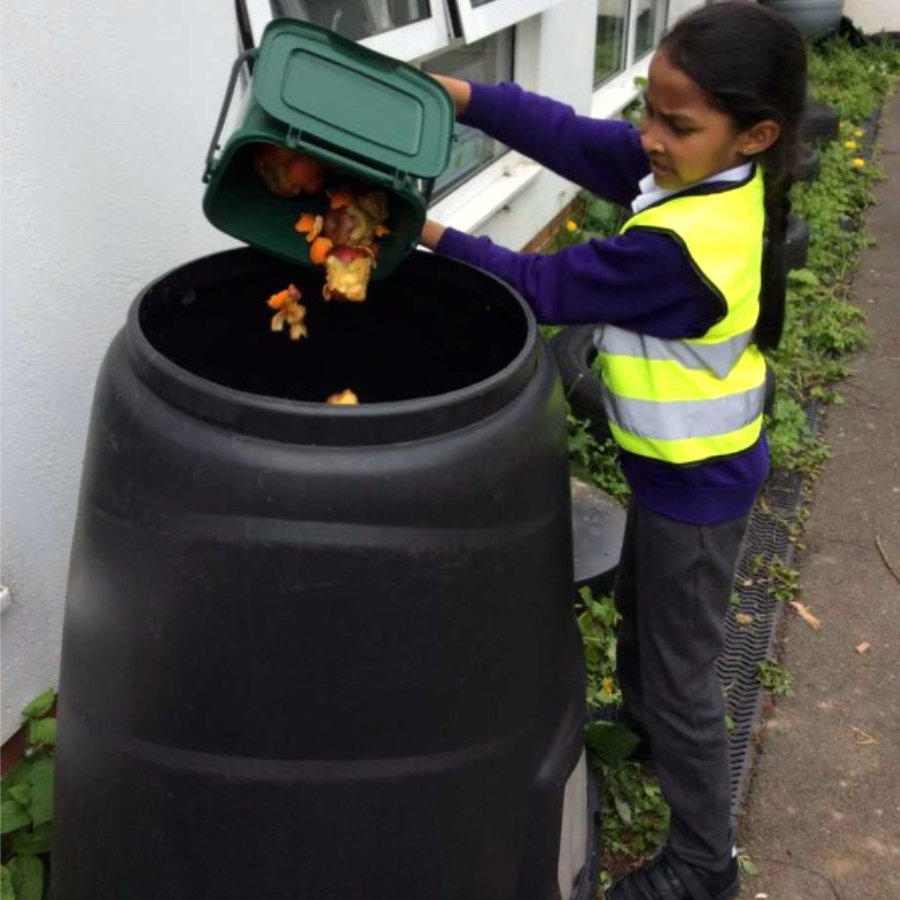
[687,294]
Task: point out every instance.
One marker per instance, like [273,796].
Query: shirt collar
[652,193]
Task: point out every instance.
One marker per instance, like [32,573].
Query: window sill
[479,198]
[611,97]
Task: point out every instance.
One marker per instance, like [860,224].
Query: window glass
[489,60]
[612,33]
[480,2]
[649,24]
[354,19]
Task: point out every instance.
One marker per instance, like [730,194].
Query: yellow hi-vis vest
[686,400]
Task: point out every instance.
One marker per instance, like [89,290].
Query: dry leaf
[744,619]
[863,647]
[806,615]
[862,737]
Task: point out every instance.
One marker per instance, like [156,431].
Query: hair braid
[777,179]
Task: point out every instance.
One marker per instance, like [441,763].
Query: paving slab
[822,819]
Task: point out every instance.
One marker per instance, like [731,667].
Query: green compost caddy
[374,118]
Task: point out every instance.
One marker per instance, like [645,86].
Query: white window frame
[407,42]
[660,30]
[613,95]
[480,21]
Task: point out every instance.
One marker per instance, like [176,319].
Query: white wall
[873,16]
[107,113]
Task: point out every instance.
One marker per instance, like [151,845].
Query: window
[650,21]
[351,19]
[404,29]
[482,17]
[627,32]
[489,60]
[612,34]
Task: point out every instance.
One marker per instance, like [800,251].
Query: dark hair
[751,64]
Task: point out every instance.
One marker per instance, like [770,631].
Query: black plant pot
[796,242]
[807,164]
[820,123]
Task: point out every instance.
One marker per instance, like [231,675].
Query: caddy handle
[244,58]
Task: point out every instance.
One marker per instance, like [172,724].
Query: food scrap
[343,398]
[287,173]
[288,311]
[343,238]
[350,227]
[347,271]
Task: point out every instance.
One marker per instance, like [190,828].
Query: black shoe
[616,715]
[666,877]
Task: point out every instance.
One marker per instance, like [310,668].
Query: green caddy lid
[358,104]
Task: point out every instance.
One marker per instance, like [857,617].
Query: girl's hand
[431,234]
[460,91]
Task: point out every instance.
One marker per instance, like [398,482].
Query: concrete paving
[822,818]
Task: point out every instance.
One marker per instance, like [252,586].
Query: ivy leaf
[613,743]
[40,706]
[12,816]
[42,732]
[41,780]
[27,875]
[36,841]
[624,810]
[21,793]
[17,775]
[6,887]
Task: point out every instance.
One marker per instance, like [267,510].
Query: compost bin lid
[359,103]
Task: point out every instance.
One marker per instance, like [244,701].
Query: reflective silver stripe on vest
[719,359]
[682,419]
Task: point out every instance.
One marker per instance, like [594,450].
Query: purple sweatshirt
[641,280]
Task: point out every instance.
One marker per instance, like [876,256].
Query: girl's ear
[759,137]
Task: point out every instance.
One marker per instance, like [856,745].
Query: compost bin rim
[306,422]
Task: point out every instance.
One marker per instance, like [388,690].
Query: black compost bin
[315,651]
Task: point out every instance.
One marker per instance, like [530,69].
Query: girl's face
[684,137]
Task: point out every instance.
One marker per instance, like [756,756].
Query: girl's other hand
[431,234]
[460,91]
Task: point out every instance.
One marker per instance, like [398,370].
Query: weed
[26,796]
[775,678]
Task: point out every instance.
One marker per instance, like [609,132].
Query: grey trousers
[673,588]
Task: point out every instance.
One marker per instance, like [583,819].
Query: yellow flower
[607,686]
[850,145]
[858,162]
[571,225]
[858,133]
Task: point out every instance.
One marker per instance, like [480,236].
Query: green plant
[854,78]
[26,798]
[597,619]
[783,580]
[591,217]
[637,817]
[595,462]
[775,678]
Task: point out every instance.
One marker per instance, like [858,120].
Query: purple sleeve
[604,156]
[640,280]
